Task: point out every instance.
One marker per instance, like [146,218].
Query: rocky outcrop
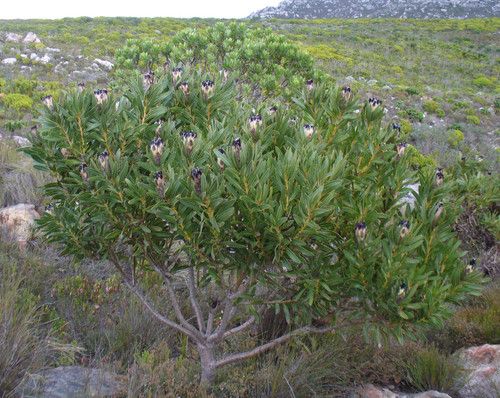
[105,64]
[13,37]
[9,61]
[482,371]
[21,141]
[370,391]
[381,9]
[31,38]
[73,381]
[16,223]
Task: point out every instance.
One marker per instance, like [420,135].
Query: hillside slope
[381,8]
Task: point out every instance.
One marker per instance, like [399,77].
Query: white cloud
[27,9]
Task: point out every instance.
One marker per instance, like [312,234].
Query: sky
[53,9]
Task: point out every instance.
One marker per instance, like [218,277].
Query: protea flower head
[207,87]
[156,146]
[184,87]
[403,289]
[81,87]
[310,84]
[471,266]
[83,171]
[308,130]
[34,129]
[159,181]
[346,93]
[176,73]
[439,211]
[159,125]
[254,121]
[65,152]
[104,160]
[166,65]
[237,148]
[374,103]
[272,110]
[48,101]
[148,79]
[439,177]
[188,137]
[360,231]
[404,228]
[220,162]
[400,148]
[396,127]
[101,95]
[49,209]
[196,176]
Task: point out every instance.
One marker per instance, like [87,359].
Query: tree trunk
[207,361]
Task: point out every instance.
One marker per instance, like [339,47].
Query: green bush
[19,102]
[414,115]
[406,127]
[484,81]
[431,106]
[412,91]
[279,219]
[455,137]
[473,119]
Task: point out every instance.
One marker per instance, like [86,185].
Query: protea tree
[241,221]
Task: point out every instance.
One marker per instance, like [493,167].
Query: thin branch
[228,314]
[210,321]
[194,302]
[175,303]
[239,328]
[265,347]
[159,316]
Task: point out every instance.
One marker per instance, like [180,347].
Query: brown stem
[194,302]
[239,328]
[266,347]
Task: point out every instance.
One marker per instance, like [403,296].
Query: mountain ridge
[424,9]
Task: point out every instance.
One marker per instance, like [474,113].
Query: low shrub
[473,324]
[412,91]
[414,115]
[19,102]
[406,126]
[483,82]
[24,347]
[429,369]
[472,119]
[455,137]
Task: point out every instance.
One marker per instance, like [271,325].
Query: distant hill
[381,8]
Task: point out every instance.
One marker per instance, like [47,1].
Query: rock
[53,50]
[13,37]
[9,61]
[482,371]
[73,381]
[34,57]
[16,222]
[105,64]
[21,141]
[410,198]
[350,79]
[45,59]
[370,391]
[371,82]
[31,38]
